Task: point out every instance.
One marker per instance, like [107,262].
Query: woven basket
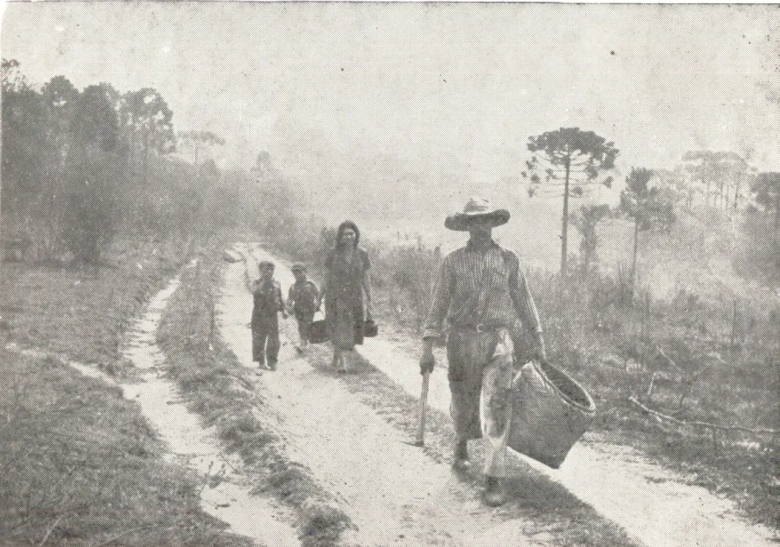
[550,413]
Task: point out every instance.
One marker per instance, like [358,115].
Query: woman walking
[346,280]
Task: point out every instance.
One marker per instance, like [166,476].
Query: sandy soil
[397,495]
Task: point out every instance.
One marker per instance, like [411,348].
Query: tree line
[80,166]
[570,163]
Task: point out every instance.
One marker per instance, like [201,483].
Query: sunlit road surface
[652,504]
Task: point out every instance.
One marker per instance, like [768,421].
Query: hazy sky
[415,80]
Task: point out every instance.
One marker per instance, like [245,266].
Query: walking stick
[420,440]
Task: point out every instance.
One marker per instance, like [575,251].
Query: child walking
[267,294]
[302,300]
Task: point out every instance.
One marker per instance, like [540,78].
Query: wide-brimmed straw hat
[476,208]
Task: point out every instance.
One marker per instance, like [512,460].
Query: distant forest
[81,167]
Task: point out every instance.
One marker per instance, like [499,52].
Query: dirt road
[226,492]
[392,491]
[397,494]
[652,504]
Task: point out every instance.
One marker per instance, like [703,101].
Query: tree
[90,221]
[766,190]
[721,174]
[648,207]
[571,160]
[94,176]
[24,142]
[677,181]
[146,118]
[200,139]
[586,220]
[762,227]
[60,98]
[10,72]
[95,121]
[263,168]
[13,79]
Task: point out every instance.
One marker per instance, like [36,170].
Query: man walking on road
[267,294]
[302,300]
[480,291]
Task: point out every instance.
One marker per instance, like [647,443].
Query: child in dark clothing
[267,294]
[302,300]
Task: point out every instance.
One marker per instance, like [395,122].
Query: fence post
[211,326]
[733,328]
[644,327]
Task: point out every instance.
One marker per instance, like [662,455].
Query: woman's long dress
[344,297]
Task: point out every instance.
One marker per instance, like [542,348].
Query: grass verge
[80,465]
[83,314]
[220,389]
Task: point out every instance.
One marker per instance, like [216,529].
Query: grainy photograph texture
[389,274]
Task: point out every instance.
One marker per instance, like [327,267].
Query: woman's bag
[318,331]
[550,412]
[370,327]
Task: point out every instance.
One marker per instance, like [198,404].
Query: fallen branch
[51,529]
[121,534]
[651,386]
[703,424]
[668,359]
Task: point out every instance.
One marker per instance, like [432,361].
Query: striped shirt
[481,287]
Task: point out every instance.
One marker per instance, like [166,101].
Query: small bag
[370,328]
[318,331]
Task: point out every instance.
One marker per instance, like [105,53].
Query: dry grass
[84,314]
[80,465]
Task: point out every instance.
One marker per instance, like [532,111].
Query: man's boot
[495,492]
[460,461]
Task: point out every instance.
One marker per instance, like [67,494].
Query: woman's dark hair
[352,226]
